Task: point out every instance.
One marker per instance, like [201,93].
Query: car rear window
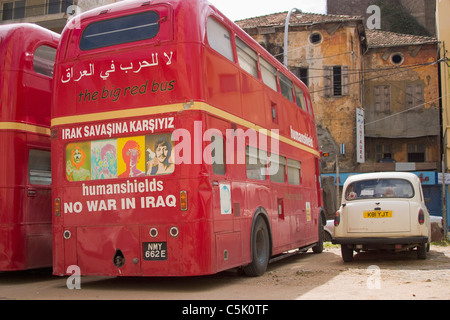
[379,188]
[131,28]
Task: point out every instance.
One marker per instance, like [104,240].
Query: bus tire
[260,248]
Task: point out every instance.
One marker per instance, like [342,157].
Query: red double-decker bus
[27,55]
[181,147]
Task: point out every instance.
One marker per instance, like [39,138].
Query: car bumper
[381,241]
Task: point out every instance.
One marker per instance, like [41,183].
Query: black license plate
[155,251]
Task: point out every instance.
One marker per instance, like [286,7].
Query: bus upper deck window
[300,98]
[131,28]
[269,74]
[248,58]
[286,87]
[219,39]
[44,60]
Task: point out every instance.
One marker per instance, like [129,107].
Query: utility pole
[286,31]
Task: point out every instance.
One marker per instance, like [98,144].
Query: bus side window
[255,167]
[269,74]
[280,175]
[44,60]
[248,59]
[300,98]
[294,172]
[39,167]
[310,108]
[218,155]
[286,87]
[219,39]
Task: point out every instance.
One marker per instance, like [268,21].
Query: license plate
[377,214]
[155,251]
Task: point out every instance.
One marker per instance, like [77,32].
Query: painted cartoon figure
[74,166]
[131,153]
[104,159]
[159,162]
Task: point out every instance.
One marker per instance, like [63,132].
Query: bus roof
[18,38]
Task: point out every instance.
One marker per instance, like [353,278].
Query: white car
[383,210]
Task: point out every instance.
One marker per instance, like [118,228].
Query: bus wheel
[260,246]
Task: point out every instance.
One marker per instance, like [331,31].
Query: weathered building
[401,102]
[326,52]
[392,78]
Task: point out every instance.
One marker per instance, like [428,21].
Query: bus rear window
[44,60]
[137,27]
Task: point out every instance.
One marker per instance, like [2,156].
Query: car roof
[383,175]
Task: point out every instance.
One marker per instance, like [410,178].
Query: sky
[242,9]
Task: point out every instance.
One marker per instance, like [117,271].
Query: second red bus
[27,55]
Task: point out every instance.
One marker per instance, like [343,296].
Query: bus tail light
[421,216]
[337,218]
[57,207]
[183,201]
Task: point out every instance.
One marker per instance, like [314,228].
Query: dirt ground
[371,276]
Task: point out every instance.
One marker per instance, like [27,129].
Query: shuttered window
[414,96]
[336,81]
[382,97]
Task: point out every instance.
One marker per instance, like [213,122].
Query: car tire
[318,248]
[422,251]
[347,253]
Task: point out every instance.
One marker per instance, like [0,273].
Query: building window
[337,81]
[315,38]
[397,59]
[13,10]
[302,74]
[416,153]
[414,96]
[7,13]
[384,153]
[58,6]
[382,97]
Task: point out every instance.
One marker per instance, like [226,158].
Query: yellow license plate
[377,214]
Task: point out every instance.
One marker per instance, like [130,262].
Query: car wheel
[347,253]
[318,248]
[422,251]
